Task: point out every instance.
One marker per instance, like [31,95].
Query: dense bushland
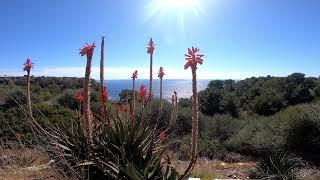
[255,116]
[262,95]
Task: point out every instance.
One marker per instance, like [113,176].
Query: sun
[174,9]
[177,4]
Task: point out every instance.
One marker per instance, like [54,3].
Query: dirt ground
[30,164]
[25,164]
[215,169]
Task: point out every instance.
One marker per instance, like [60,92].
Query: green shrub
[295,129]
[210,148]
[67,99]
[220,127]
[260,136]
[183,122]
[302,129]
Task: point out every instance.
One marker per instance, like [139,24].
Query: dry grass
[25,163]
[217,169]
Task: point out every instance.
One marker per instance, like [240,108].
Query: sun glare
[177,4]
[176,9]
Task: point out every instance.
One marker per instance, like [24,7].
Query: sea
[183,87]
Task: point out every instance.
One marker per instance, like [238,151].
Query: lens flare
[175,9]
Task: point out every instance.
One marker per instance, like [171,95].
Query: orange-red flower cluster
[118,108]
[104,95]
[162,136]
[150,47]
[79,97]
[142,92]
[134,75]
[161,73]
[125,108]
[28,65]
[87,50]
[193,58]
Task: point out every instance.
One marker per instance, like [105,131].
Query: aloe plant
[193,59]
[132,152]
[88,51]
[279,165]
[150,51]
[28,65]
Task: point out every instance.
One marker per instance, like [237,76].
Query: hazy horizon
[155,78]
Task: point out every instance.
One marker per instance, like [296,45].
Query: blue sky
[239,38]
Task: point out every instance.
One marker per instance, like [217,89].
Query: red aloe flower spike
[87,50]
[142,94]
[28,65]
[150,51]
[125,108]
[79,97]
[162,136]
[161,73]
[118,108]
[193,58]
[150,47]
[87,125]
[105,96]
[134,75]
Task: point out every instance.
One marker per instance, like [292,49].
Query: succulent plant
[132,152]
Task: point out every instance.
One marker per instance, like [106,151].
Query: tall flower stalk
[160,75]
[88,51]
[102,88]
[150,52]
[28,65]
[134,77]
[174,110]
[176,103]
[193,58]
